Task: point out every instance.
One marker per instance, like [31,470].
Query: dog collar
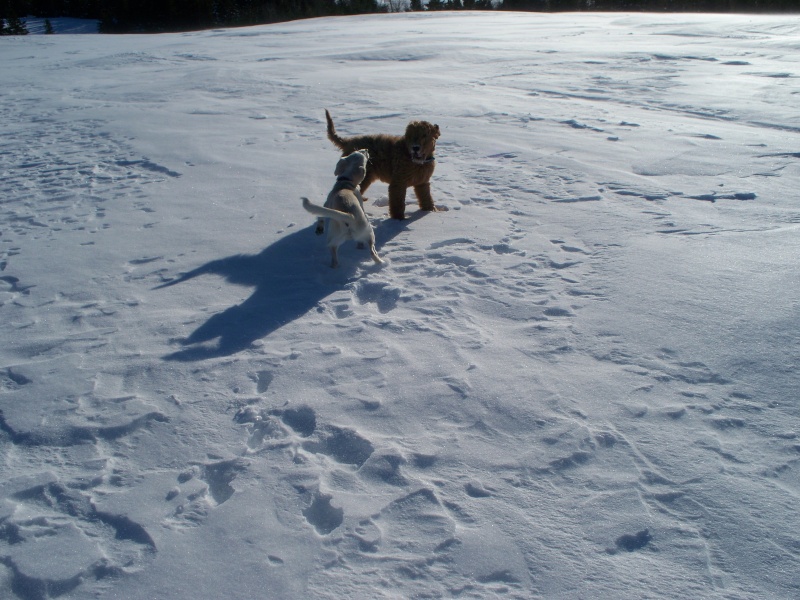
[427,161]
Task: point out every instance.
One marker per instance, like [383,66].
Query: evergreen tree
[13,26]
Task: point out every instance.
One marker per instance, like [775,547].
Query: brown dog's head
[421,139]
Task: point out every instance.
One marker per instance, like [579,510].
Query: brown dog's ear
[436,131]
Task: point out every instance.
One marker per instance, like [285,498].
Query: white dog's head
[352,167]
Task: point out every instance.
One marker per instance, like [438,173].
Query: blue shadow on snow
[283,291]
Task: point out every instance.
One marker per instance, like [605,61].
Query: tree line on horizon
[139,16]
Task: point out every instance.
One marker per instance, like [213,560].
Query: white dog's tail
[328,213]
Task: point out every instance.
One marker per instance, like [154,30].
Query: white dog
[343,215]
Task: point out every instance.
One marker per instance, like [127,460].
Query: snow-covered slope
[577,381]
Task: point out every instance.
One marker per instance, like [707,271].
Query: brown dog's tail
[332,135]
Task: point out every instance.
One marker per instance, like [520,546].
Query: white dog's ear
[340,166]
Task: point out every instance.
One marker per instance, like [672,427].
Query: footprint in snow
[323,515]
[219,477]
[383,295]
[631,542]
[415,524]
[43,516]
[475,489]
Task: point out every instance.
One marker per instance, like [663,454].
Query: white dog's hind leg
[375,256]
[334,258]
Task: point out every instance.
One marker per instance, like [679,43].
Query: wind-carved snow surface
[578,381]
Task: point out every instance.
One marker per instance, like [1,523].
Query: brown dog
[401,161]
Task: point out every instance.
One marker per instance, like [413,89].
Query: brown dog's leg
[397,201]
[424,198]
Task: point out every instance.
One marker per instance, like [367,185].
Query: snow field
[575,381]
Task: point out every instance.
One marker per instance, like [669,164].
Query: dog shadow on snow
[283,291]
